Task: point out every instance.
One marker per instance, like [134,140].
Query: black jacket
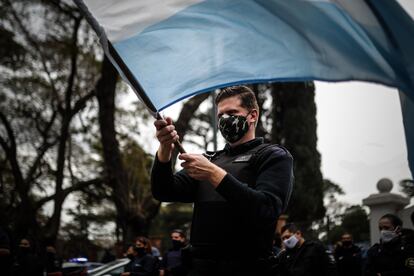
[395,258]
[245,205]
[348,260]
[311,259]
[146,265]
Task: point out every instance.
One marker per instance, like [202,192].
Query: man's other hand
[200,168]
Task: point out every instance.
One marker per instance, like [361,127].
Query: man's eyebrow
[231,111]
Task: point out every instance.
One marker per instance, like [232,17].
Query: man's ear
[255,115]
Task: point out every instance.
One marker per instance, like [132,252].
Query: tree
[356,222]
[45,90]
[172,216]
[127,172]
[294,126]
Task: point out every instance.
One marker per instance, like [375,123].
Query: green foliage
[356,222]
[137,164]
[170,217]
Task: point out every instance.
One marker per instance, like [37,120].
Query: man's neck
[246,138]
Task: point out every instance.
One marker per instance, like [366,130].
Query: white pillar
[383,203]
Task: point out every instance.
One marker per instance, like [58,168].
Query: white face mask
[291,242]
[388,235]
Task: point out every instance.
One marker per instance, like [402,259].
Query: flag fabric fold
[169,50]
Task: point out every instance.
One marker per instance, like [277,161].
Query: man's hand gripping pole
[177,144]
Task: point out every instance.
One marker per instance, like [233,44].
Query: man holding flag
[238,192]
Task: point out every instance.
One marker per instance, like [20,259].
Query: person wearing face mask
[172,264]
[394,254]
[348,257]
[303,257]
[26,262]
[142,263]
[237,192]
[53,263]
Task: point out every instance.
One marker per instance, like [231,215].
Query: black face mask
[177,244]
[50,255]
[130,256]
[24,250]
[233,127]
[140,251]
[347,243]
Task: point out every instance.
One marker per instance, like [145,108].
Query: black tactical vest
[220,229]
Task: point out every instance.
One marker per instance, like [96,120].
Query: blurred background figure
[302,257]
[6,258]
[142,262]
[107,256]
[26,262]
[348,257]
[394,254]
[53,262]
[172,264]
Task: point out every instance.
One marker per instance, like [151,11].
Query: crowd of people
[297,256]
[392,255]
[25,261]
[294,255]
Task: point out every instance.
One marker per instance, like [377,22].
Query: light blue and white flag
[169,50]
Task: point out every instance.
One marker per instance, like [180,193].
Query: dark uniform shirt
[172,263]
[394,258]
[348,260]
[245,205]
[146,265]
[311,259]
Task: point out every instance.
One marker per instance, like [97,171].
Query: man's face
[231,106]
[24,243]
[385,224]
[130,251]
[177,237]
[346,238]
[287,234]
[139,244]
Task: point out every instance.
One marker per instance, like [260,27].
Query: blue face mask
[291,242]
[388,235]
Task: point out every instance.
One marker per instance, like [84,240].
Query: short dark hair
[246,95]
[291,227]
[395,221]
[146,242]
[179,231]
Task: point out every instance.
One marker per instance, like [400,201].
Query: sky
[360,134]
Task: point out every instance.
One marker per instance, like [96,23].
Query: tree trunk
[131,221]
[186,114]
[294,126]
[115,173]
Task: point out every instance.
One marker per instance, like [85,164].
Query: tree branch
[65,192]
[82,102]
[9,130]
[73,65]
[43,148]
[33,42]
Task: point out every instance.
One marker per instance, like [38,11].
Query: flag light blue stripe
[218,43]
[244,41]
